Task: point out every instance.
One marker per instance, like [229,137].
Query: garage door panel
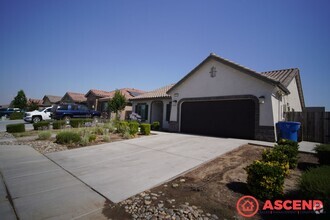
[231,118]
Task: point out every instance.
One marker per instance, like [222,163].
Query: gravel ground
[148,205]
[44,146]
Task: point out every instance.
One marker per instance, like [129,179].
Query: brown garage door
[230,118]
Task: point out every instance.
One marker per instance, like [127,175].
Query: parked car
[8,111]
[67,111]
[38,115]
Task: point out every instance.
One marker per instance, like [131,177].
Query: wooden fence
[315,124]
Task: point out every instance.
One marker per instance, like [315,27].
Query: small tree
[117,103]
[33,106]
[20,100]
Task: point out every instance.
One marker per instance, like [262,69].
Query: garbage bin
[289,130]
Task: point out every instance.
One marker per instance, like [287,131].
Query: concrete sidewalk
[304,146]
[6,209]
[40,189]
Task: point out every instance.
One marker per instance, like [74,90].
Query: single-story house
[93,97]
[154,106]
[127,92]
[74,97]
[49,100]
[222,98]
[37,102]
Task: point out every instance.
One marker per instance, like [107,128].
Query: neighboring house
[73,97]
[128,93]
[49,100]
[93,97]
[222,98]
[154,106]
[38,102]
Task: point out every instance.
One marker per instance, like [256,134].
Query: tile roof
[158,93]
[53,98]
[127,92]
[99,93]
[76,97]
[284,76]
[36,101]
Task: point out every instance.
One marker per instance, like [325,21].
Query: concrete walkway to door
[120,170]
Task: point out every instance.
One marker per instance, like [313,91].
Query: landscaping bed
[208,192]
[79,133]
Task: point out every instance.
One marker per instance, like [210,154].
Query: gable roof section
[236,66]
[157,93]
[285,77]
[52,98]
[35,101]
[127,92]
[99,93]
[76,97]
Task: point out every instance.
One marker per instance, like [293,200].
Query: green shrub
[122,126]
[84,141]
[145,129]
[58,124]
[127,135]
[277,156]
[79,122]
[265,179]
[110,126]
[16,115]
[106,138]
[15,128]
[315,184]
[291,151]
[92,137]
[133,127]
[67,137]
[155,126]
[41,125]
[288,142]
[98,130]
[44,135]
[323,153]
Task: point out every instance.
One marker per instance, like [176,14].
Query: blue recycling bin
[289,130]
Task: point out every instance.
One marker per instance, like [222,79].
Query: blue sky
[55,46]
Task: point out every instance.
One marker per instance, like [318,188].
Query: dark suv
[67,111]
[8,111]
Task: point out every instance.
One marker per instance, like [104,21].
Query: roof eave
[149,98]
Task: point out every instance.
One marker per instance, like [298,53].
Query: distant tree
[20,100]
[32,106]
[117,103]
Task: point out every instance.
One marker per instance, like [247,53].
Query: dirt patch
[214,188]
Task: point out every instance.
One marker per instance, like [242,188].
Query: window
[82,108]
[142,110]
[168,111]
[104,106]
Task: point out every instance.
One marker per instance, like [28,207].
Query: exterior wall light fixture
[261,99]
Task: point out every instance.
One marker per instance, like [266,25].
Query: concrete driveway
[120,170]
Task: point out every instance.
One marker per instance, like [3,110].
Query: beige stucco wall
[228,82]
[281,103]
[293,98]
[165,124]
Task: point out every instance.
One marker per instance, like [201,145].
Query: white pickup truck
[38,115]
